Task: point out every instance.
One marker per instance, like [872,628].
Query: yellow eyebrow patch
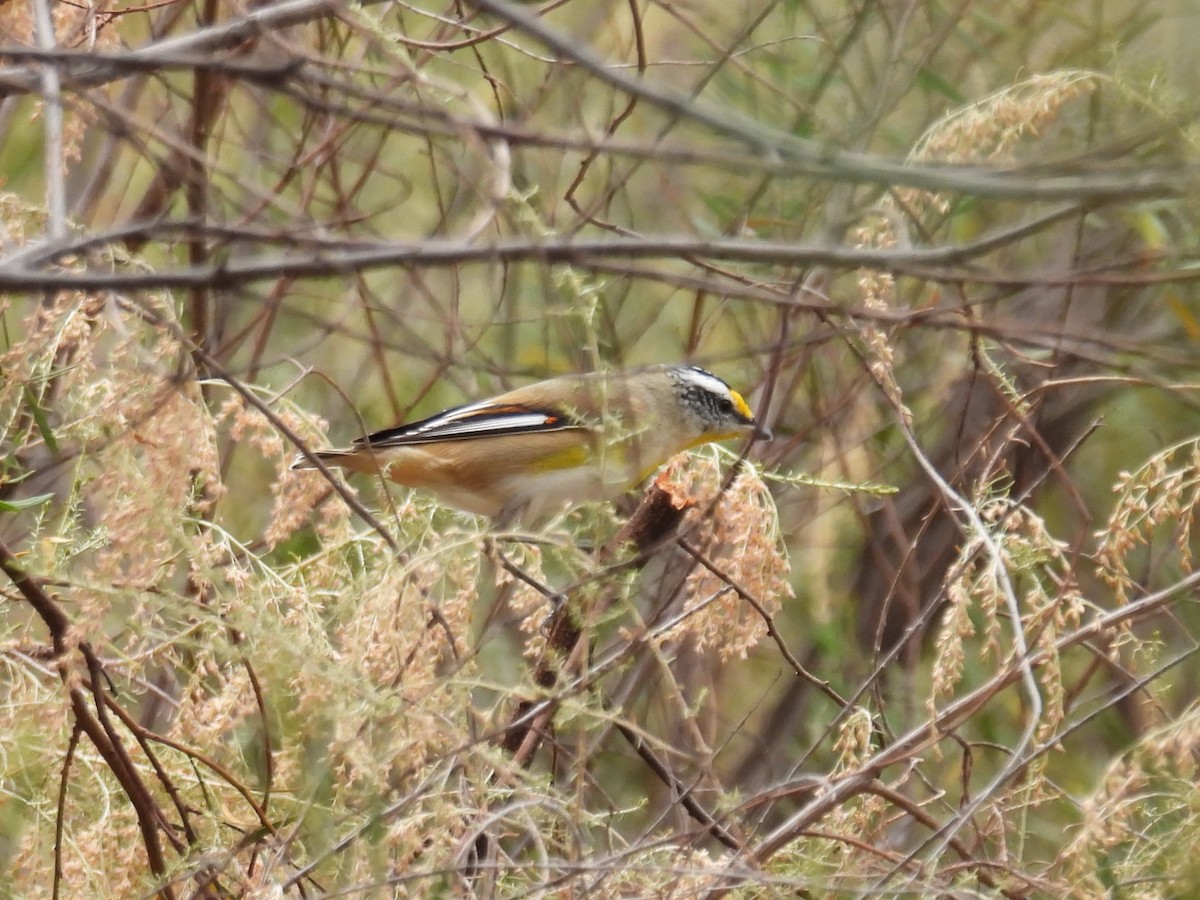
[739,403]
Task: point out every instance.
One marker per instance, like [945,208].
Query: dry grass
[219,678]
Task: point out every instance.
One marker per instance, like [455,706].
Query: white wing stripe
[481,424]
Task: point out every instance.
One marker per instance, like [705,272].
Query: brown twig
[96,726]
[651,524]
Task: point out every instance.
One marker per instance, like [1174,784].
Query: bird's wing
[485,419]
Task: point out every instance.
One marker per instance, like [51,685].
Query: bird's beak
[763,433]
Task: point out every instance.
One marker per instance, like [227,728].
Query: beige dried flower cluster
[349,671]
[878,292]
[294,496]
[736,532]
[1050,601]
[124,408]
[97,408]
[1161,496]
[986,131]
[1144,816]
[991,128]
[853,742]
[77,26]
[386,680]
[523,598]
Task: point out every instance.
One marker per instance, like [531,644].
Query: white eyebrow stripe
[706,381]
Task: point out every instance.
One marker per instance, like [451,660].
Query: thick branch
[319,261]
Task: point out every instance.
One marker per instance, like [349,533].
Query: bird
[535,450]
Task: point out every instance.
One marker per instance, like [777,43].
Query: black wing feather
[474,421]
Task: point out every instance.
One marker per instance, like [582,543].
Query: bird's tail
[343,459]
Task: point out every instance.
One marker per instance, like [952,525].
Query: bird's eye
[725,405]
